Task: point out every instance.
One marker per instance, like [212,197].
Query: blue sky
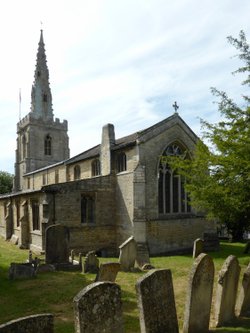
[118,61]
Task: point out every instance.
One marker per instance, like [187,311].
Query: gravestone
[57,244]
[199,295]
[243,302]
[21,271]
[91,263]
[198,247]
[127,254]
[14,239]
[72,256]
[108,271]
[226,291]
[156,302]
[98,309]
[40,323]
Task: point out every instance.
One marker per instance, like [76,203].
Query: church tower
[41,140]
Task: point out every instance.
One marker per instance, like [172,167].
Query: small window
[56,176]
[28,183]
[24,144]
[44,179]
[87,209]
[121,162]
[77,172]
[35,215]
[96,168]
[47,145]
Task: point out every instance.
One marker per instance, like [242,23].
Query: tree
[6,180]
[218,175]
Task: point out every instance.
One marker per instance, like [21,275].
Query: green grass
[54,292]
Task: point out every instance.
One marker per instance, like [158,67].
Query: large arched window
[47,145]
[172,197]
[77,172]
[96,167]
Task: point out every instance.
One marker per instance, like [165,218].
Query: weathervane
[175,106]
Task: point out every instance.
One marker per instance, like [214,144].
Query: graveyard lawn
[54,292]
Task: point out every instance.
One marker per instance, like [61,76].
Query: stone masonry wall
[87,236]
[175,235]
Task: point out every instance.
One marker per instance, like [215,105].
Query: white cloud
[123,62]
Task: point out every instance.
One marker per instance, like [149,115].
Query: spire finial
[175,106]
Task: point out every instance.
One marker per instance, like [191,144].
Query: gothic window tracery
[47,145]
[172,197]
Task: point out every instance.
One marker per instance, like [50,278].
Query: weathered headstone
[98,309]
[57,244]
[226,291]
[243,302]
[127,254]
[198,247]
[72,256]
[199,296]
[14,239]
[108,271]
[91,263]
[156,302]
[40,323]
[21,271]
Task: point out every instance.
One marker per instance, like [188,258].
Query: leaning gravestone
[198,247]
[127,254]
[199,296]
[156,302]
[91,263]
[243,303]
[98,309]
[108,271]
[57,244]
[226,291]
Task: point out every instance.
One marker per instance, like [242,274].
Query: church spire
[41,98]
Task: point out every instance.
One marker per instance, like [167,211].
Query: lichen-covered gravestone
[21,271]
[98,309]
[108,271]
[243,303]
[128,254]
[227,291]
[199,295]
[57,244]
[156,302]
[198,247]
[91,263]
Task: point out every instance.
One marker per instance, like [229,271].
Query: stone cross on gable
[175,106]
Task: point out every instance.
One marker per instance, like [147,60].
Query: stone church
[120,188]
